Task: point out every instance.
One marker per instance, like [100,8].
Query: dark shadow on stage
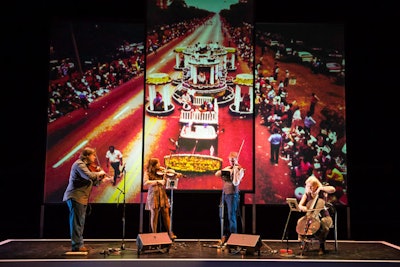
[189,252]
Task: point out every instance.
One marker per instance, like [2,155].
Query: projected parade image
[191,89]
[95,99]
[300,110]
[199,102]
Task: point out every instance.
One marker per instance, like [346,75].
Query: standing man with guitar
[317,221]
[231,176]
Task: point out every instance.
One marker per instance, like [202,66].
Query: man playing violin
[313,203]
[80,184]
[231,176]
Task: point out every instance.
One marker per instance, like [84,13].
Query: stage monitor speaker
[153,242]
[250,243]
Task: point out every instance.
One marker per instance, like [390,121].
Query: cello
[310,223]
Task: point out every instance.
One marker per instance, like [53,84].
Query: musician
[231,177]
[313,203]
[81,180]
[155,178]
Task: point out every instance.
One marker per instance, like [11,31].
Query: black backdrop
[371,87]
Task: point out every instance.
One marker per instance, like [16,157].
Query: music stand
[293,206]
[172,183]
[226,175]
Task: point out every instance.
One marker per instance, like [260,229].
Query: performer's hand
[303,208]
[107,179]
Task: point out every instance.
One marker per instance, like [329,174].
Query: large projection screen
[95,99]
[311,58]
[120,67]
[194,135]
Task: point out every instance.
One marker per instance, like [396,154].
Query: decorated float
[204,72]
[159,99]
[243,95]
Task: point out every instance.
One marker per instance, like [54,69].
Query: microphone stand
[123,207]
[221,213]
[172,207]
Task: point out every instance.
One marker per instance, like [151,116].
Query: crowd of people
[309,146]
[70,89]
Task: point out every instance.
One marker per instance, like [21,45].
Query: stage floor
[14,250]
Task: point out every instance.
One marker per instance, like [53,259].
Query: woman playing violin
[313,203]
[155,178]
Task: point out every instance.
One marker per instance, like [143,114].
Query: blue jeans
[232,205]
[77,216]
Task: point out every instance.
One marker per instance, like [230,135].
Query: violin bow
[240,149]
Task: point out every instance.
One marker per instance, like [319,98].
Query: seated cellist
[318,220]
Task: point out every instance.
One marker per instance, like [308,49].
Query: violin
[168,172]
[93,167]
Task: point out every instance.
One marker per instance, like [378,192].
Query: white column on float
[237,98]
[224,62]
[152,95]
[177,60]
[194,73]
[185,60]
[251,94]
[166,97]
[212,75]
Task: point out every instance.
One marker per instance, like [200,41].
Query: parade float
[204,73]
[198,138]
[243,95]
[159,100]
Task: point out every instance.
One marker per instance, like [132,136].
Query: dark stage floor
[52,252]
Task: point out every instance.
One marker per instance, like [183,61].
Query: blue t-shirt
[275,139]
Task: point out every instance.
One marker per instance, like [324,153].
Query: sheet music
[293,204]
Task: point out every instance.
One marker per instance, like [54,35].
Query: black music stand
[294,206]
[172,183]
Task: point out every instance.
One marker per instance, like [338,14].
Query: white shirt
[116,156]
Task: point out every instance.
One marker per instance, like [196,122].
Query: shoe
[302,245]
[321,250]
[81,249]
[222,241]
[172,236]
